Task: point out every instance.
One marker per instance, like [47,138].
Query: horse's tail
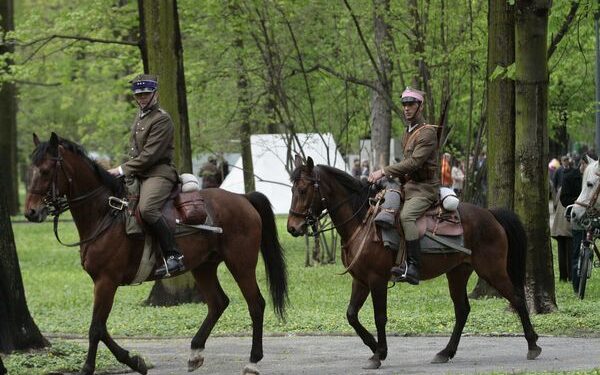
[517,245]
[272,252]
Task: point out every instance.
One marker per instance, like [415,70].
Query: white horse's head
[590,182]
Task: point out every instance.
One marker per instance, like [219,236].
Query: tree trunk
[8,115]
[18,331]
[500,117]
[243,96]
[531,146]
[381,113]
[163,55]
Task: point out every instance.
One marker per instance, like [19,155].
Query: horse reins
[312,220]
[59,204]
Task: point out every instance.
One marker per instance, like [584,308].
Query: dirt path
[319,355]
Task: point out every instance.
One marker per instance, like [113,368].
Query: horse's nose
[294,231]
[29,214]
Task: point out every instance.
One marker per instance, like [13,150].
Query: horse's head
[45,180]
[588,198]
[307,202]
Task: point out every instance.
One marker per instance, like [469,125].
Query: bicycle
[587,248]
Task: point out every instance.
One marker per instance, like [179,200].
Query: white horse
[590,189]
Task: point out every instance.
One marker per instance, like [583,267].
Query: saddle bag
[190,208]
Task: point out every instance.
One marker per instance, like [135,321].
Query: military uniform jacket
[419,169]
[151,145]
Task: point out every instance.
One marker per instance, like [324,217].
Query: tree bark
[18,331]
[162,52]
[8,115]
[381,113]
[243,97]
[500,117]
[531,148]
[163,55]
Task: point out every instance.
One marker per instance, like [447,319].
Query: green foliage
[79,88]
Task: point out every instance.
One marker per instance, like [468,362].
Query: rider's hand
[376,176]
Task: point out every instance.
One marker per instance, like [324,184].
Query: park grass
[59,296]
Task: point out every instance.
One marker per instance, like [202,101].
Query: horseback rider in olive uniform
[150,160]
[418,174]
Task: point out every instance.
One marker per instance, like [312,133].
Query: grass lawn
[59,296]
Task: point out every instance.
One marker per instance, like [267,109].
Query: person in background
[364,174]
[210,173]
[356,169]
[151,161]
[561,227]
[458,177]
[446,170]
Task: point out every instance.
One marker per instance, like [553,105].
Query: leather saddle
[182,208]
[440,221]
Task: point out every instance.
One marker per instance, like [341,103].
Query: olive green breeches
[411,211]
[154,191]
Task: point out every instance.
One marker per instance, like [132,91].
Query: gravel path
[346,354]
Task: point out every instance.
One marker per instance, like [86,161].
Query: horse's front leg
[379,297]
[104,293]
[360,292]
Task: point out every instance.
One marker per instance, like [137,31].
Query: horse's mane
[357,189]
[108,180]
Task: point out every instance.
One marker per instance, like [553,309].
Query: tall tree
[162,53]
[531,148]
[243,95]
[18,331]
[8,110]
[381,113]
[500,114]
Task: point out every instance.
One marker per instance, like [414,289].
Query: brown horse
[496,237]
[61,169]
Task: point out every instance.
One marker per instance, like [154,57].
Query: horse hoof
[250,368]
[372,364]
[140,365]
[534,353]
[440,358]
[196,360]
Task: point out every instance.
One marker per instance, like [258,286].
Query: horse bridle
[58,204]
[312,220]
[310,217]
[590,206]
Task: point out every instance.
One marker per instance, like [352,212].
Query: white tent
[269,157]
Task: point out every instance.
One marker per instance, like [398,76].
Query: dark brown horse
[111,258]
[496,237]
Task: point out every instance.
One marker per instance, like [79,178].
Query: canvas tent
[269,157]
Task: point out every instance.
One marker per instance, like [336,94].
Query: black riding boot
[170,251]
[410,273]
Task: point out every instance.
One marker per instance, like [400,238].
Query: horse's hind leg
[457,283]
[216,301]
[516,297]
[104,293]
[246,280]
[358,297]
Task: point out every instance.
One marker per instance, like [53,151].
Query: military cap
[144,83]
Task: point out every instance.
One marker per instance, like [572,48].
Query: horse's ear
[310,163]
[53,143]
[589,159]
[36,140]
[298,161]
[54,139]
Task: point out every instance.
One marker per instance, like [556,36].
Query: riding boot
[409,273]
[172,254]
